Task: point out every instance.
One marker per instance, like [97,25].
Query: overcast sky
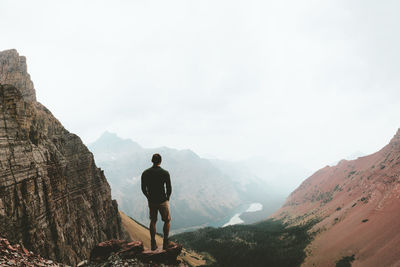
[304,82]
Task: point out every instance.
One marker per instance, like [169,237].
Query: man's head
[156,159]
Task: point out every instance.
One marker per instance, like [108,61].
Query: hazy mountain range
[204,191]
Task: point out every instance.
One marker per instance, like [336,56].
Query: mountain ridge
[358,203]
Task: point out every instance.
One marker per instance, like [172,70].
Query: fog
[294,82]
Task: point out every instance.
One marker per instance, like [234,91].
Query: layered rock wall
[14,71]
[53,198]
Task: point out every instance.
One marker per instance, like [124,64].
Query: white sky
[308,82]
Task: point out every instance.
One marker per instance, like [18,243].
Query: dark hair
[156,159]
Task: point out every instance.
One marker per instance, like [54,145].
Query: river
[236,218]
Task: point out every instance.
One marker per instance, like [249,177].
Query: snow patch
[234,220]
[255,207]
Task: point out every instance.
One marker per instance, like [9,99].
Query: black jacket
[153,181]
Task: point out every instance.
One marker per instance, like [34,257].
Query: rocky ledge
[111,253]
[123,253]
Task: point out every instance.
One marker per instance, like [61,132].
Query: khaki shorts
[163,208]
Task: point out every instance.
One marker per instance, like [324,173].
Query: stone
[166,256]
[104,249]
[110,251]
[25,250]
[82,263]
[19,257]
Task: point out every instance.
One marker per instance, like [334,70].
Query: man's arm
[144,186]
[168,185]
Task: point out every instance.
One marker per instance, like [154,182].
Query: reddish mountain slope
[358,203]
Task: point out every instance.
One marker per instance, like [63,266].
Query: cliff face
[14,71]
[358,203]
[53,198]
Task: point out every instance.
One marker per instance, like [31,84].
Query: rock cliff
[357,203]
[53,198]
[14,71]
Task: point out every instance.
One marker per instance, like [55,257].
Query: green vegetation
[269,243]
[337,188]
[345,261]
[324,196]
[351,173]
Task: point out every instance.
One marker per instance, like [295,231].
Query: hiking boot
[166,244]
[153,245]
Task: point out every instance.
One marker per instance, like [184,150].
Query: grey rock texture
[14,71]
[53,198]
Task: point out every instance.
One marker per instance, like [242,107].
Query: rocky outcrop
[123,253]
[53,198]
[104,249]
[14,71]
[358,204]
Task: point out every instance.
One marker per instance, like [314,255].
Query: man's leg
[153,235]
[153,221]
[166,233]
[166,217]
[166,229]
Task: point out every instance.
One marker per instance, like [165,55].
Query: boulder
[104,249]
[165,256]
[134,250]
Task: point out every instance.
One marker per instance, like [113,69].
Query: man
[156,186]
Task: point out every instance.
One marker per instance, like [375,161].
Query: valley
[344,214]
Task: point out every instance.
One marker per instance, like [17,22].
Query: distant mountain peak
[109,135]
[110,141]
